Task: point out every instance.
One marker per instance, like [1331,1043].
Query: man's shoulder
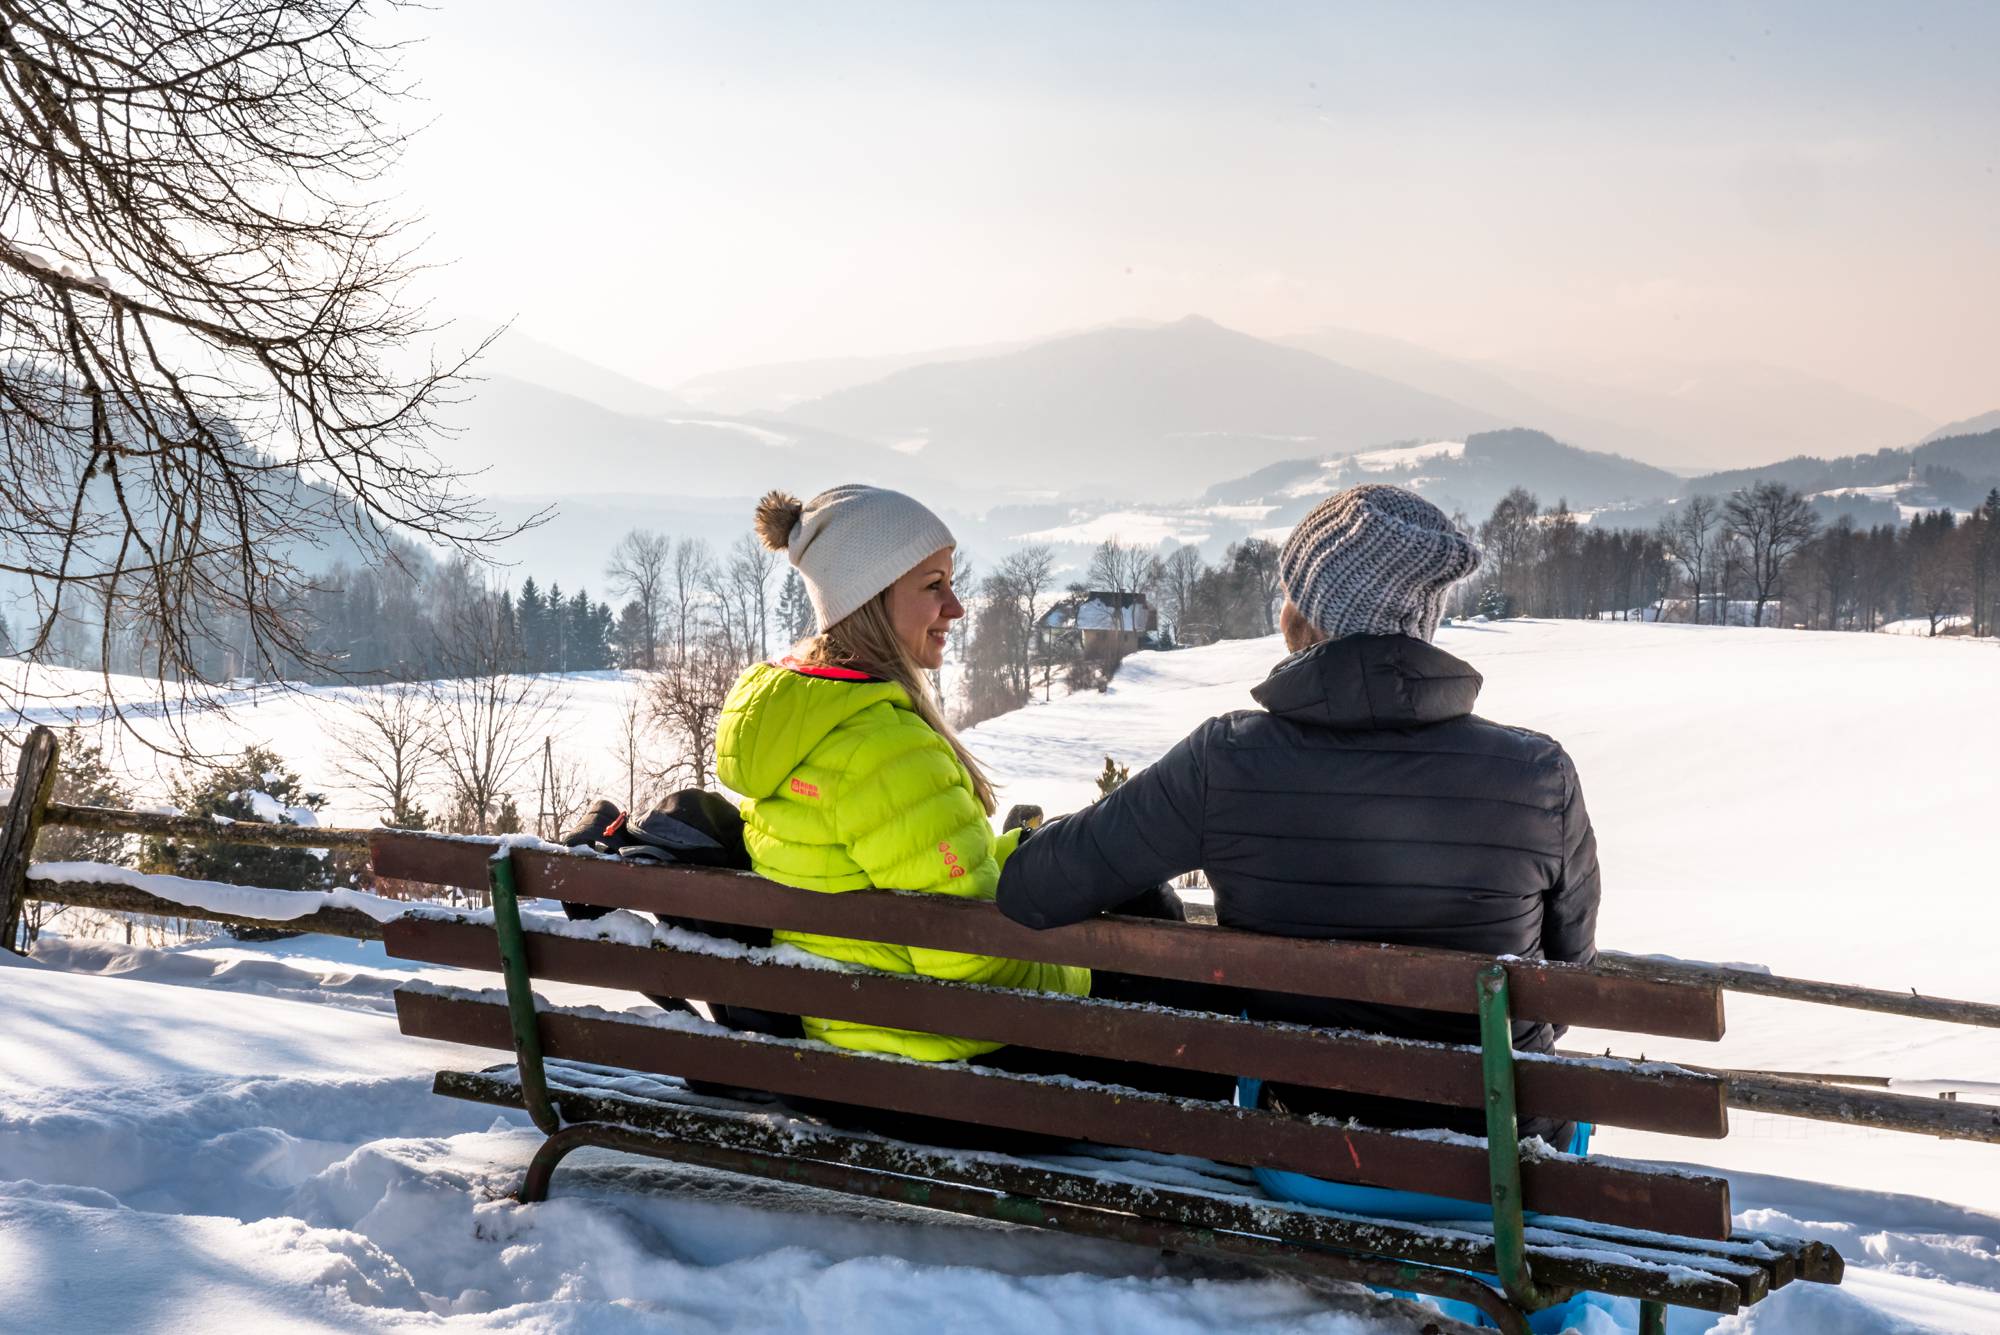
[1514,741]
[1470,736]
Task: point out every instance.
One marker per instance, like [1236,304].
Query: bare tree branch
[203,326]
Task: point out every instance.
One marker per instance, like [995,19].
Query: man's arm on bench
[1146,832]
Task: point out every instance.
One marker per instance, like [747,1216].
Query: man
[1365,801]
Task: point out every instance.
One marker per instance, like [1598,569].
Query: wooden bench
[1560,1224]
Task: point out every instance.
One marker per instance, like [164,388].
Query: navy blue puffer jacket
[1364,802]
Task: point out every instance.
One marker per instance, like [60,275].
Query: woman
[851,776]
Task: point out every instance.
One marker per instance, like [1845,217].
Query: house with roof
[1102,623]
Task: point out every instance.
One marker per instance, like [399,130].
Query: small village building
[1101,623]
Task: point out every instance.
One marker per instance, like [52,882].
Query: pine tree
[602,625]
[6,636]
[555,646]
[795,613]
[532,616]
[84,779]
[629,637]
[258,786]
[587,647]
[508,821]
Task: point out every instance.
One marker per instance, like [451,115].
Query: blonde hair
[865,639]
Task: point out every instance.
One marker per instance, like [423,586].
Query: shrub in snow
[259,786]
[1112,778]
[1495,605]
[82,779]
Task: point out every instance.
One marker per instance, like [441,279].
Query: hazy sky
[676,188]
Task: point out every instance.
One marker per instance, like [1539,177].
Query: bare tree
[750,567]
[489,716]
[1939,566]
[630,743]
[1254,563]
[1773,522]
[389,751]
[687,581]
[1511,541]
[725,595]
[638,570]
[201,322]
[1123,568]
[964,584]
[1730,562]
[1179,574]
[685,700]
[1688,537]
[1030,573]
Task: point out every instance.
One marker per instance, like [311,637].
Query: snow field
[240,1125]
[146,1182]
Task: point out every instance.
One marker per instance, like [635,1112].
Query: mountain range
[1146,413]
[1670,414]
[1073,438]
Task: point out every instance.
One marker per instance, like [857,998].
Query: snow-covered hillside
[235,1137]
[1818,804]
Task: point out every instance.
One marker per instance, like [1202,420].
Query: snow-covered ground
[236,1137]
[316,730]
[1922,625]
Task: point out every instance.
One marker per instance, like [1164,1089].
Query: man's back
[1365,802]
[1370,804]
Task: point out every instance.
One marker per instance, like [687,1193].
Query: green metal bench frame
[685,1138]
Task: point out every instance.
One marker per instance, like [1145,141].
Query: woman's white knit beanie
[1374,560]
[853,541]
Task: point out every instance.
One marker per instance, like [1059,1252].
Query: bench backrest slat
[1673,1102]
[1695,1206]
[1440,980]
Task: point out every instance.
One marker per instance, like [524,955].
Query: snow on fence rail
[354,914]
[97,885]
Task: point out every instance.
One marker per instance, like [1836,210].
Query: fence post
[34,782]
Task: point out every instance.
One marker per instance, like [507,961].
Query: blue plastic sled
[1417,1208]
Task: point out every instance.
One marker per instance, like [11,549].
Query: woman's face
[922,608]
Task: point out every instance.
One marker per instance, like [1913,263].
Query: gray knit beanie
[1374,560]
[849,542]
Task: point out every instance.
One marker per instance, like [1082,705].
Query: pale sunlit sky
[675,188]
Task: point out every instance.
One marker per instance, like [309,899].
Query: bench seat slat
[1424,1162]
[1684,1282]
[1426,979]
[1667,1101]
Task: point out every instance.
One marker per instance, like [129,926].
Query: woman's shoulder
[883,733]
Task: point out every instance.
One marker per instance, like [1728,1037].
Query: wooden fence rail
[1750,1091]
[1815,1098]
[1749,982]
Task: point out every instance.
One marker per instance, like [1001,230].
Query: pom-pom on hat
[1374,560]
[849,542]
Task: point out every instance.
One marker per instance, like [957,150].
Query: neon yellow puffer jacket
[845,788]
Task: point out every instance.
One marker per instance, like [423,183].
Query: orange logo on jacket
[804,789]
[950,858]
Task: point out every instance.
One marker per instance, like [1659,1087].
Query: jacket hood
[778,712]
[1361,682]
